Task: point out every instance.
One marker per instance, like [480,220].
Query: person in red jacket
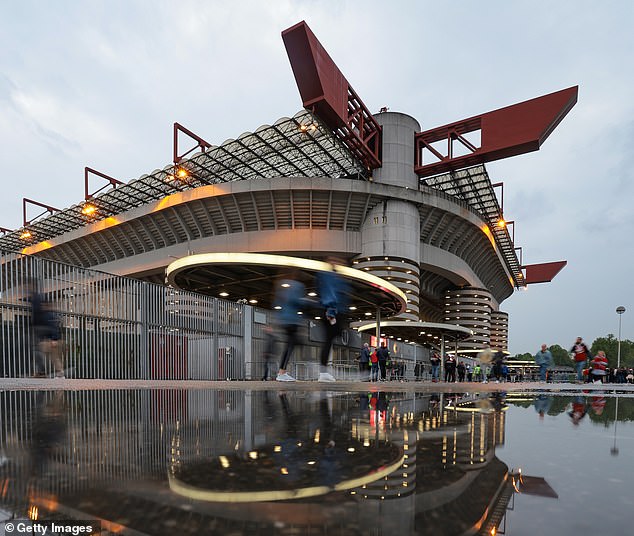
[580,354]
[599,367]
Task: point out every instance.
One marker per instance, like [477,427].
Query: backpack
[374,358]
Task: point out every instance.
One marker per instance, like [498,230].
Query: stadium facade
[415,208]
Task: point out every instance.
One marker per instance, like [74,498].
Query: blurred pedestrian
[544,360]
[332,296]
[580,354]
[435,366]
[290,298]
[599,367]
[269,350]
[47,334]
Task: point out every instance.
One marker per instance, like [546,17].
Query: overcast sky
[99,84]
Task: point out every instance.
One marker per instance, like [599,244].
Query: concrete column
[398,150]
[390,246]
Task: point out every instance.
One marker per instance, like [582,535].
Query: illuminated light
[277,448]
[318,318]
[311,462]
[317,436]
[253,301]
[350,449]
[224,294]
[33,513]
[286,285]
[284,470]
[312,294]
[352,308]
[300,313]
[224,461]
[501,223]
[353,493]
[88,209]
[181,173]
[25,234]
[277,307]
[253,455]
[368,314]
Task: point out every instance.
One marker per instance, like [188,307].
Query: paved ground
[34,384]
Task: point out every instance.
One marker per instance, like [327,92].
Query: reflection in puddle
[316,463]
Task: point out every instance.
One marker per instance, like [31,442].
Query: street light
[619,311]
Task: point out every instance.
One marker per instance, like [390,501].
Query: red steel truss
[544,272]
[326,93]
[517,129]
[202,144]
[26,202]
[90,171]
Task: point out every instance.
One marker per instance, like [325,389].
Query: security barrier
[115,327]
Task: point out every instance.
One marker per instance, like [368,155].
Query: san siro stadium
[414,208]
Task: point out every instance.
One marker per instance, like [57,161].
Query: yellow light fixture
[88,209]
[181,173]
[501,223]
[26,234]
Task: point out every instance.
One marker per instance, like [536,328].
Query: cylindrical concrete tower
[390,235]
[398,150]
[500,330]
[471,308]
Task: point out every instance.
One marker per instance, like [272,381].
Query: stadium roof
[297,146]
[473,186]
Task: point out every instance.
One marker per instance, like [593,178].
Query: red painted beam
[326,93]
[510,131]
[544,272]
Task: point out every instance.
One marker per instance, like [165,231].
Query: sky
[100,83]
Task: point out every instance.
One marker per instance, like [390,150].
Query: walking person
[599,367]
[544,360]
[374,369]
[383,355]
[47,335]
[290,298]
[462,370]
[331,296]
[580,354]
[364,361]
[435,366]
[450,369]
[477,372]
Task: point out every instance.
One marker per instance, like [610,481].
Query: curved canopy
[418,332]
[251,277]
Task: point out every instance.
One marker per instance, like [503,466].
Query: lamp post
[619,311]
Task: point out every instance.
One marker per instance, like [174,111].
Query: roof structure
[297,146]
[473,186]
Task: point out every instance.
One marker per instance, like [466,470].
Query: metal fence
[118,327]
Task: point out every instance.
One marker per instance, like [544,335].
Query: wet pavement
[264,458]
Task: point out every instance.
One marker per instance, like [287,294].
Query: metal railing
[115,327]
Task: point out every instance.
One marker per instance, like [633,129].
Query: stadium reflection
[265,462]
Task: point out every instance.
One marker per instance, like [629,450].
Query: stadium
[415,208]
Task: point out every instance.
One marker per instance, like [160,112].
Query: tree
[560,356]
